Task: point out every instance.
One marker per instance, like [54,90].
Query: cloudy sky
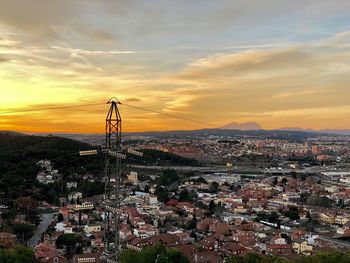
[281,63]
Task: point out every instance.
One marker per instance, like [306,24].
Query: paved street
[47,218]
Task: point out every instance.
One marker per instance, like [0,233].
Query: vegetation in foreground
[157,253]
[18,254]
[323,257]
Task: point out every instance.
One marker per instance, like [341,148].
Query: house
[232,248]
[87,258]
[48,254]
[140,242]
[297,234]
[89,229]
[74,196]
[188,250]
[185,237]
[345,230]
[186,206]
[66,212]
[279,240]
[220,228]
[50,240]
[72,185]
[169,240]
[341,219]
[240,209]
[7,240]
[279,250]
[133,178]
[153,200]
[208,257]
[125,231]
[65,227]
[327,218]
[301,246]
[245,238]
[209,243]
[55,259]
[228,217]
[145,231]
[203,225]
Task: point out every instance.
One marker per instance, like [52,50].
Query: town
[174,131]
[293,201]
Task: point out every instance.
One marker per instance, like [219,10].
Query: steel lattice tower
[112,183]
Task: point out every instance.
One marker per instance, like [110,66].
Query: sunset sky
[276,62]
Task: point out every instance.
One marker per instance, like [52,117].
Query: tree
[186,195]
[211,206]
[322,257]
[308,215]
[23,231]
[32,216]
[255,258]
[284,181]
[213,187]
[292,213]
[9,215]
[168,177]
[192,224]
[319,201]
[147,187]
[275,181]
[273,217]
[156,253]
[60,217]
[17,254]
[26,203]
[162,194]
[70,241]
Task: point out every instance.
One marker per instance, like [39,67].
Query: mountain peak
[245,126]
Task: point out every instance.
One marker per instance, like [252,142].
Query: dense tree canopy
[168,177]
[319,201]
[18,254]
[157,253]
[324,257]
[24,231]
[70,241]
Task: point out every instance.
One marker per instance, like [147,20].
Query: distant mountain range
[254,126]
[329,131]
[246,126]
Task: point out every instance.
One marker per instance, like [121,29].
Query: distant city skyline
[278,63]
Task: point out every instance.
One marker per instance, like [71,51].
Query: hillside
[16,143]
[19,154]
[17,148]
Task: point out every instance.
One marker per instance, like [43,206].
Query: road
[335,241]
[235,170]
[44,224]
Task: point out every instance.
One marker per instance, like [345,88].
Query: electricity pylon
[113,194]
[112,182]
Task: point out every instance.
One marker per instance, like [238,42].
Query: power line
[169,115]
[96,104]
[51,108]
